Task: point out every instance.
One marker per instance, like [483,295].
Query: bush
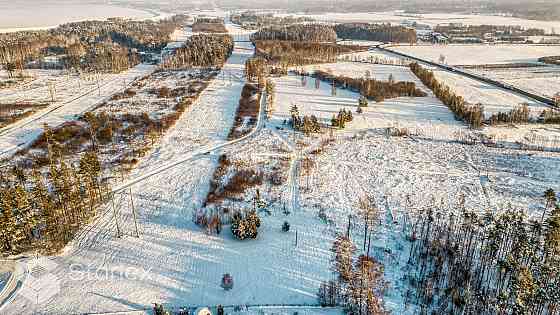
[243,227]
[285,226]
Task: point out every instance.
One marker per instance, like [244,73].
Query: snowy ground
[544,81]
[177,263]
[492,98]
[479,54]
[74,97]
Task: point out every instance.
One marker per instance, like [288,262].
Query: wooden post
[134,213]
[115,215]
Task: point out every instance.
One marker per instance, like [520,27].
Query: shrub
[285,226]
[243,227]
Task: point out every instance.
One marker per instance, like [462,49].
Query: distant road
[508,87]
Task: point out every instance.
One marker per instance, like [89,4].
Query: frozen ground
[432,19]
[23,15]
[479,54]
[543,81]
[492,98]
[74,96]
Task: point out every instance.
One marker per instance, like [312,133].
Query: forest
[103,46]
[297,53]
[297,32]
[375,32]
[252,20]
[472,262]
[201,51]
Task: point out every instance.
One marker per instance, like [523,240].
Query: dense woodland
[467,262]
[297,32]
[201,51]
[107,46]
[251,20]
[289,53]
[376,32]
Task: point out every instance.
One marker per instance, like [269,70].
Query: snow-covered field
[543,81]
[402,111]
[480,54]
[358,70]
[431,19]
[177,263]
[492,98]
[74,96]
[24,15]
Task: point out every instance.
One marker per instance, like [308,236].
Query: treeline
[518,115]
[209,25]
[298,53]
[550,116]
[376,32]
[479,31]
[471,114]
[89,45]
[249,19]
[297,32]
[553,60]
[371,88]
[467,262]
[201,51]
